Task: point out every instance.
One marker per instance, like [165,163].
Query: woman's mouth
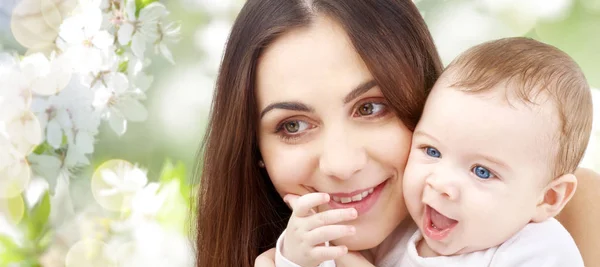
[362,200]
[436,225]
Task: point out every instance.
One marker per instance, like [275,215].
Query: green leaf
[15,209]
[10,253]
[38,218]
[43,147]
[7,244]
[45,241]
[178,172]
[12,259]
[139,4]
[120,51]
[123,66]
[175,210]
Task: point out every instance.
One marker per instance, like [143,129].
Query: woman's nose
[342,156]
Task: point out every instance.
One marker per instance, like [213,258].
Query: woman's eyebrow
[359,90]
[296,106]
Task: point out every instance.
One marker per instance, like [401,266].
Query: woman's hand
[266,259]
[308,230]
[581,215]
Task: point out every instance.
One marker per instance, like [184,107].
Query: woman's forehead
[318,60]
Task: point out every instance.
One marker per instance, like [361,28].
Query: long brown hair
[240,214]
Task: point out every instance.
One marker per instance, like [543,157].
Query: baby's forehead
[496,119]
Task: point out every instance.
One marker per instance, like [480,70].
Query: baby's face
[477,168]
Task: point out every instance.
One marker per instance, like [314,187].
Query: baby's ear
[556,195]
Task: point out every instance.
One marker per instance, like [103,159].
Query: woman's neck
[376,254]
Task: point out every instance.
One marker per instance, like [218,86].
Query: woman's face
[325,127]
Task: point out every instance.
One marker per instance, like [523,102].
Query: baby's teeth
[346,200]
[357,197]
[365,194]
[336,199]
[370,190]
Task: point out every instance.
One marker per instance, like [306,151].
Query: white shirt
[545,244]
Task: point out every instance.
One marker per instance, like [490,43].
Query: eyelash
[280,128]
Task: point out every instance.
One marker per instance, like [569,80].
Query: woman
[321,96]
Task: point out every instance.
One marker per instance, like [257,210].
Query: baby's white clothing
[545,244]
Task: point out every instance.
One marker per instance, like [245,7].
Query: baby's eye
[482,172]
[432,152]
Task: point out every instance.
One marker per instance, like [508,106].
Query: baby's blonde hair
[531,68]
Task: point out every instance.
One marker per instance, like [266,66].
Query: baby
[492,161]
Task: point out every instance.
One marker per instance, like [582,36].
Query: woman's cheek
[290,170]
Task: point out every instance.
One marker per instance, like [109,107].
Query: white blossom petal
[130,10]
[92,21]
[119,83]
[153,12]
[35,65]
[138,45]
[166,53]
[75,158]
[143,81]
[54,134]
[84,142]
[111,178]
[125,33]
[132,109]
[25,133]
[45,86]
[63,118]
[103,40]
[101,97]
[71,30]
[117,123]
[45,165]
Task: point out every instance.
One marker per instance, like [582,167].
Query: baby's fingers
[322,253]
[329,217]
[327,233]
[303,206]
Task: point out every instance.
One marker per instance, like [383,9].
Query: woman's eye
[370,109]
[432,152]
[295,126]
[482,172]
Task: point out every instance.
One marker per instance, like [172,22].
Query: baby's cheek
[413,183]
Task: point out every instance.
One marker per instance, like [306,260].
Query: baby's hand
[307,231]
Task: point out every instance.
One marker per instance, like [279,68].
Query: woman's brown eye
[292,126]
[366,109]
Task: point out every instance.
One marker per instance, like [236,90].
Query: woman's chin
[358,242]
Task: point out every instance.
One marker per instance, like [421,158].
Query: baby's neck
[424,250]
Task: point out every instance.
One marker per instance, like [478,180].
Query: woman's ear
[555,196]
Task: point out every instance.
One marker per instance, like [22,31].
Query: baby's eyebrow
[495,161]
[419,132]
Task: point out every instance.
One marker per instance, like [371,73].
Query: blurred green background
[179,99]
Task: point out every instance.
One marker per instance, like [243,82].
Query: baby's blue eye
[482,172]
[432,152]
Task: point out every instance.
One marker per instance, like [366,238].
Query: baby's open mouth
[436,225]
